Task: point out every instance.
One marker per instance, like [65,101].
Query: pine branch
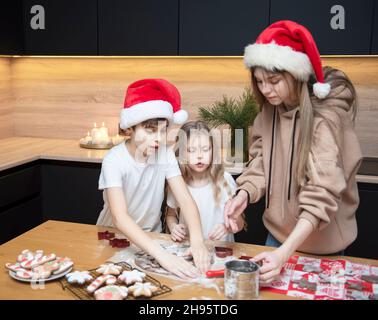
[238,113]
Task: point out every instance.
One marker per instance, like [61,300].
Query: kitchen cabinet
[355,38]
[20,201]
[11,27]
[60,27]
[70,191]
[220,27]
[374,44]
[366,244]
[145,27]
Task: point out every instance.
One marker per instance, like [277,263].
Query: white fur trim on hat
[321,90]
[273,56]
[140,112]
[179,117]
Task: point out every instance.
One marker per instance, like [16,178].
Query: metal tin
[241,280]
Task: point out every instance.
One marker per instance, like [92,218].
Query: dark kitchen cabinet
[20,200]
[145,27]
[374,44]
[20,218]
[11,27]
[366,244]
[70,191]
[354,39]
[220,27]
[70,27]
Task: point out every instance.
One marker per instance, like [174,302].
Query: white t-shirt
[142,184]
[210,213]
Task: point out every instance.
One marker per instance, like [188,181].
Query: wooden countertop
[19,150]
[79,242]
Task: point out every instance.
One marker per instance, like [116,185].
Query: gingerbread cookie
[64,265]
[79,277]
[111,293]
[130,277]
[24,274]
[143,289]
[29,255]
[37,260]
[109,268]
[14,267]
[41,272]
[104,279]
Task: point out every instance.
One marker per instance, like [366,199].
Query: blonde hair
[309,107]
[215,169]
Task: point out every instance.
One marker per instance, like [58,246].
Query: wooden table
[79,242]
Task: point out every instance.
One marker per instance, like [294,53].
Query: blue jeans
[273,242]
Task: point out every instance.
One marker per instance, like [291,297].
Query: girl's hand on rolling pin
[178,232]
[272,263]
[234,208]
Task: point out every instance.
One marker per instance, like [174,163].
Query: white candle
[104,134]
[88,138]
[96,134]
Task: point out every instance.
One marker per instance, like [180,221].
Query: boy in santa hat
[133,176]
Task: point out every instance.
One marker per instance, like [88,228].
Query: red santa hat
[152,98]
[286,45]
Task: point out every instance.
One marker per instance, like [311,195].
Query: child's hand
[234,208]
[177,265]
[201,256]
[179,232]
[218,232]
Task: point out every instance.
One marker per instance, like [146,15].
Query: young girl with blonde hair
[209,184]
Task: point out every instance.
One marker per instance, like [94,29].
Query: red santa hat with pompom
[287,45]
[149,99]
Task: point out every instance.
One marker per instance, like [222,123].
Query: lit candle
[88,138]
[96,134]
[104,134]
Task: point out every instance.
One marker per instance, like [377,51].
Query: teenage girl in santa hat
[305,153]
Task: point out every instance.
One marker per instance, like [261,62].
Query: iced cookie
[111,293]
[38,260]
[41,272]
[25,274]
[130,277]
[14,267]
[64,265]
[109,268]
[143,289]
[29,255]
[78,277]
[104,279]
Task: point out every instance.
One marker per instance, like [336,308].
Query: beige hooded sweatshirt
[330,198]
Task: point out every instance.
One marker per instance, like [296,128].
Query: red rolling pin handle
[215,273]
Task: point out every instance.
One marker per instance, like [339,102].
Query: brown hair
[309,107]
[150,123]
